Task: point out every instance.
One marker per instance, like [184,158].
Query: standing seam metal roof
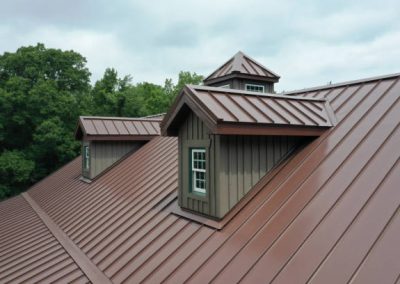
[229,111]
[329,215]
[106,127]
[242,64]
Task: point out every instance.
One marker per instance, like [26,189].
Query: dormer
[243,73]
[229,139]
[106,140]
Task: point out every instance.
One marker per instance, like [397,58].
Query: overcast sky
[307,43]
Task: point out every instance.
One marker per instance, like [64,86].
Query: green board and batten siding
[104,154]
[234,165]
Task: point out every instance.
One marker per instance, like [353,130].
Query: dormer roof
[117,128]
[236,112]
[242,66]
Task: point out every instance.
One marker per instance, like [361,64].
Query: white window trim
[255,85]
[194,170]
[86,153]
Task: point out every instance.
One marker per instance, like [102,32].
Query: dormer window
[198,164]
[107,140]
[254,88]
[229,139]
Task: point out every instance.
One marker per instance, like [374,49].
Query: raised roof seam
[92,272]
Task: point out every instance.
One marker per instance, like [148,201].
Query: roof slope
[241,64]
[227,111]
[334,206]
[121,128]
[28,251]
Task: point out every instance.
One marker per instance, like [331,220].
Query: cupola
[106,140]
[243,73]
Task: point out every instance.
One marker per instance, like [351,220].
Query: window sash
[86,157]
[198,167]
[255,88]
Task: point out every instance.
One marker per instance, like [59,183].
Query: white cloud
[308,43]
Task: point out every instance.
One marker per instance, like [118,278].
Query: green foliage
[43,91]
[41,94]
[15,172]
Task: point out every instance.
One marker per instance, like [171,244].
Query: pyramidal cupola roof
[241,65]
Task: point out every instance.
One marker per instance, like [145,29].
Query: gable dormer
[229,139]
[243,73]
[106,140]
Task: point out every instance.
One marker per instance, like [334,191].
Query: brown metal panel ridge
[91,271]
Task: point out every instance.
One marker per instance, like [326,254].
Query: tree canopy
[42,93]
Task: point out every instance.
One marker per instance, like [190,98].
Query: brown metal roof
[158,117]
[28,250]
[329,215]
[242,65]
[118,128]
[227,111]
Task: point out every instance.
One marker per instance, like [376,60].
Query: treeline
[43,91]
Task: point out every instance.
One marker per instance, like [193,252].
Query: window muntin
[254,88]
[198,168]
[86,157]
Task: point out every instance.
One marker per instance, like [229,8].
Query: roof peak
[242,64]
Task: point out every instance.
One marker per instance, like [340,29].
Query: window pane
[198,164]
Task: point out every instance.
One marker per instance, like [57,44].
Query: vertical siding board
[233,171]
[255,158]
[247,163]
[240,166]
[263,156]
[183,171]
[217,174]
[194,128]
[104,154]
[234,165]
[211,176]
[224,168]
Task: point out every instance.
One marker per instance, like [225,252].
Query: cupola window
[255,88]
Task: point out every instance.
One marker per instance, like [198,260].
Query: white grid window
[86,157]
[198,157]
[254,88]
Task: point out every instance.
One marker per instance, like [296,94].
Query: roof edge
[340,84]
[121,118]
[257,94]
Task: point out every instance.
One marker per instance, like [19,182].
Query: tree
[42,93]
[15,172]
[108,94]
[184,78]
